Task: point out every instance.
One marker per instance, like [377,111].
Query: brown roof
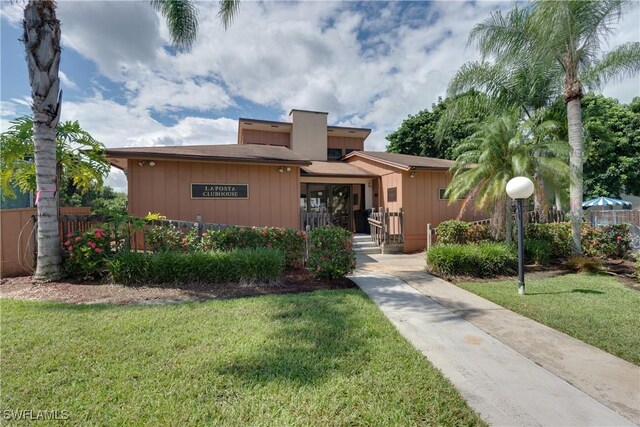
[403,161]
[318,168]
[248,153]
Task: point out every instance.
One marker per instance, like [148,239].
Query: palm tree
[41,39]
[503,147]
[568,36]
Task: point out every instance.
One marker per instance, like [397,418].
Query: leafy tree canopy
[612,146]
[418,135]
[82,162]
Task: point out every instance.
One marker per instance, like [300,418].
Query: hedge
[461,232]
[482,260]
[252,264]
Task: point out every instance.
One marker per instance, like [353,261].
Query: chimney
[309,134]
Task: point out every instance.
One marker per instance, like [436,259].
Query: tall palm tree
[41,39]
[503,147]
[568,35]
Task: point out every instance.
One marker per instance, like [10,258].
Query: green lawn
[322,358]
[596,309]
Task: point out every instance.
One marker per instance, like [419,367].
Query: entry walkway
[512,370]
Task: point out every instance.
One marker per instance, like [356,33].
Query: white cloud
[66,81]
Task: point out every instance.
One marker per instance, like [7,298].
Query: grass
[596,309]
[321,358]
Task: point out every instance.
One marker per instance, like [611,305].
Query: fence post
[428,236]
[401,224]
[199,225]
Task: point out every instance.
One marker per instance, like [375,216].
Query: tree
[80,160]
[417,135]
[504,146]
[612,147]
[41,39]
[566,35]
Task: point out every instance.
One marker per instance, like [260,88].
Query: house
[289,174]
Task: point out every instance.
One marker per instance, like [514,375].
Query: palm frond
[227,11]
[621,62]
[182,20]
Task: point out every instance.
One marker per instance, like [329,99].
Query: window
[392,194]
[442,192]
[334,153]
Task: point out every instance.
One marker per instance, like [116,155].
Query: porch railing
[311,220]
[386,227]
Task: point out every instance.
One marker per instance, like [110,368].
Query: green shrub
[612,241]
[462,232]
[330,252]
[557,235]
[483,260]
[85,253]
[291,242]
[537,251]
[259,264]
[130,268]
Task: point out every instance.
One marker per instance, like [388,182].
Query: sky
[368,64]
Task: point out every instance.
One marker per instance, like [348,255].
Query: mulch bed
[75,292]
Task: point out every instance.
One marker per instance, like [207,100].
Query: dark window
[441,194]
[355,200]
[392,194]
[334,153]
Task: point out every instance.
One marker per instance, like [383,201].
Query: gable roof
[235,153]
[403,161]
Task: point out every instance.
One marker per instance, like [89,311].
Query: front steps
[362,244]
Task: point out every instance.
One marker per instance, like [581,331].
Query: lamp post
[520,188]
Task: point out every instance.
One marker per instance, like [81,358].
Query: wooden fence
[386,227]
[607,217]
[18,243]
[310,220]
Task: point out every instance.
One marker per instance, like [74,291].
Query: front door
[341,205]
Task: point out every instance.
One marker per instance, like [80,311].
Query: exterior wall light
[141,163]
[288,169]
[412,175]
[520,188]
[280,169]
[152,163]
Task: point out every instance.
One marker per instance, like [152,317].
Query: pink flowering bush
[85,253]
[462,232]
[289,241]
[330,252]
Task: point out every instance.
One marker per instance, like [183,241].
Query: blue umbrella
[606,201]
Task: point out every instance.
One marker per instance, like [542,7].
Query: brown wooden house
[289,174]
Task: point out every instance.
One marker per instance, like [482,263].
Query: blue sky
[368,64]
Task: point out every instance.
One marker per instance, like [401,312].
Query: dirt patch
[98,293]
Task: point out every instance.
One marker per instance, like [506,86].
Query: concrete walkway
[512,370]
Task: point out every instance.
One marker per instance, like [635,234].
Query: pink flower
[91,245]
[70,248]
[67,243]
[184,240]
[98,250]
[78,238]
[70,235]
[99,235]
[619,238]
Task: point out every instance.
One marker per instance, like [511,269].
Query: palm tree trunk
[574,116]
[508,220]
[42,46]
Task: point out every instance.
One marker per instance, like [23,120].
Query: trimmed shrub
[537,251]
[291,242]
[615,241]
[462,232]
[557,235]
[85,253]
[483,260]
[259,265]
[330,252]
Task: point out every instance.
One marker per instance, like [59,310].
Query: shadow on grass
[573,291]
[312,338]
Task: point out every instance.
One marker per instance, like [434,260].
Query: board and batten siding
[422,205]
[261,137]
[166,189]
[389,178]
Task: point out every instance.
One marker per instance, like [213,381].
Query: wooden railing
[607,217]
[311,220]
[386,227]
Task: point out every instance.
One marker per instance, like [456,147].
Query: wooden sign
[219,191]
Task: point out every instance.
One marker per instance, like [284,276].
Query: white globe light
[520,187]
